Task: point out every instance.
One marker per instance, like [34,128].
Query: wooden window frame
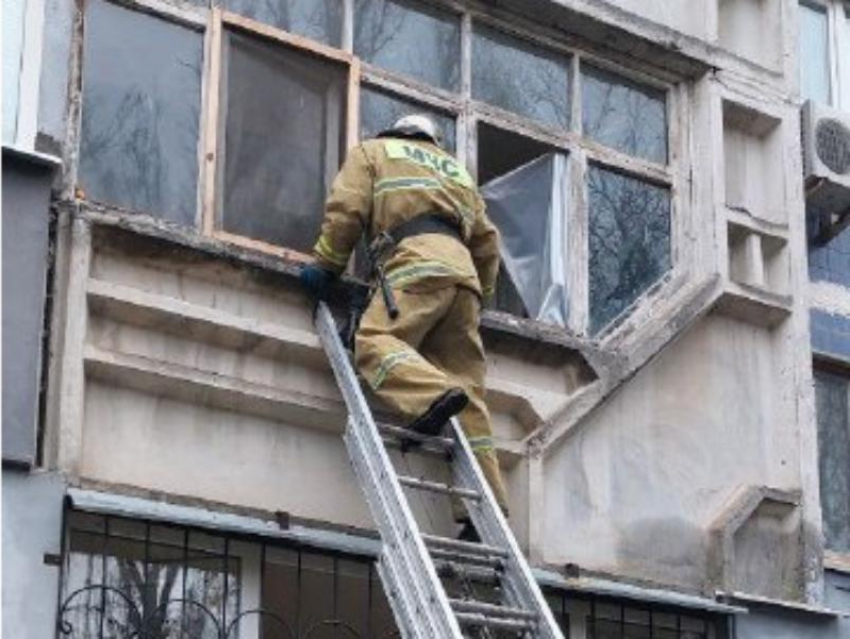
[213,126]
[467,113]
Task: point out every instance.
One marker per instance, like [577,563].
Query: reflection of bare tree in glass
[531,84]
[409,38]
[160,600]
[624,116]
[321,20]
[121,146]
[629,230]
[139,147]
[377,23]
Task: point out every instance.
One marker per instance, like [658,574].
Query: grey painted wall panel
[764,624]
[26,200]
[32,526]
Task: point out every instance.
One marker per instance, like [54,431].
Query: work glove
[317,281]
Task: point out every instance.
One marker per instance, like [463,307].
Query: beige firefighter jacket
[387,181]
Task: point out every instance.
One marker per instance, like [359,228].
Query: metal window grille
[126,579]
[132,579]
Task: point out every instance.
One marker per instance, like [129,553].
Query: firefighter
[435,256]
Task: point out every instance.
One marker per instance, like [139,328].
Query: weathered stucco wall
[687,16]
[204,379]
[635,490]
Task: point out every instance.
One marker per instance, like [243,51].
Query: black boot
[468,532]
[441,410]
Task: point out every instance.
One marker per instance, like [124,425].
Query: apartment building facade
[673,427]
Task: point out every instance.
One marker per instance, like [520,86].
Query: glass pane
[624,115]
[844,57]
[284,138]
[280,593]
[378,110]
[13,41]
[601,629]
[317,19]
[139,147]
[413,39]
[519,77]
[319,596]
[829,262]
[814,54]
[629,227]
[834,453]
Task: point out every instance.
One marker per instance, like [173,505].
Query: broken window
[378,111]
[624,115]
[831,395]
[629,241]
[530,208]
[500,152]
[516,76]
[284,138]
[320,20]
[410,38]
[139,147]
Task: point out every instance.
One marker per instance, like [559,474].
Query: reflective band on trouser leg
[456,348]
[386,354]
[475,420]
[388,362]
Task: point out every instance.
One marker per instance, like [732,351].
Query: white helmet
[417,125]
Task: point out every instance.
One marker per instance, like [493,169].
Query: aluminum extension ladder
[411,562]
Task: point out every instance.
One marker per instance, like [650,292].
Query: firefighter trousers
[432,346]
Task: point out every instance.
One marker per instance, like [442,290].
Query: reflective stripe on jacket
[387,181]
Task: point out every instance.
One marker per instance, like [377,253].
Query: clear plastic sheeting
[529,206]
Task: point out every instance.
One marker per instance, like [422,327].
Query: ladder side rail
[399,530]
[395,565]
[492,526]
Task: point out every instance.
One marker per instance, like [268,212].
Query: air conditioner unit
[826,161]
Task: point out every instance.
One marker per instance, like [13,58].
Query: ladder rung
[491,610]
[493,563]
[498,623]
[448,569]
[425,449]
[437,487]
[404,433]
[463,547]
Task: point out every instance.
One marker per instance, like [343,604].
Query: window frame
[467,114]
[838,41]
[213,123]
[833,559]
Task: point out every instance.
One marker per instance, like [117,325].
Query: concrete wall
[637,487]
[32,527]
[26,218]
[184,374]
